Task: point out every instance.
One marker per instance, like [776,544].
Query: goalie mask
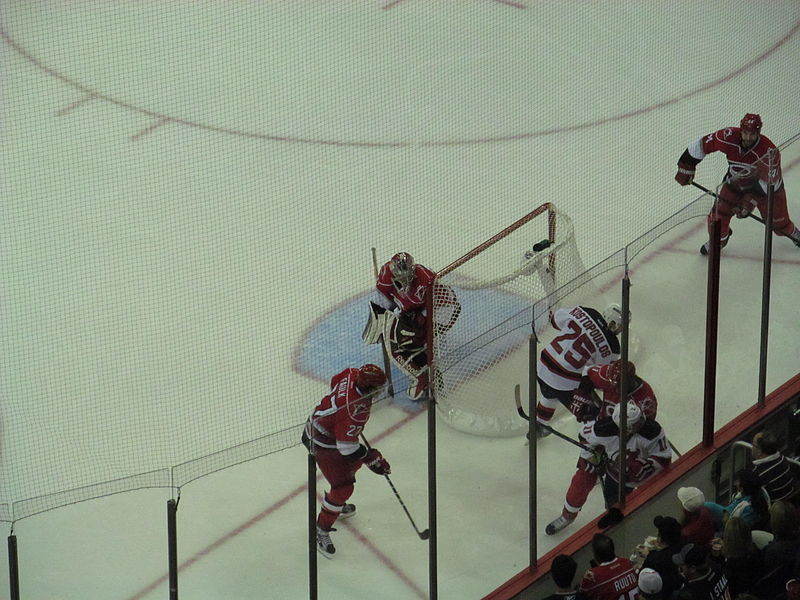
[402,268]
[370,377]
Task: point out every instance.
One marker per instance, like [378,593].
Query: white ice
[264,148]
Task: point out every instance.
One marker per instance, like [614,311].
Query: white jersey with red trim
[339,419]
[583,339]
[648,444]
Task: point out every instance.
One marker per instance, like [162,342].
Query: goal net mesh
[504,286]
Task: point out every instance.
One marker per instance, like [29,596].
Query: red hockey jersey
[746,168]
[339,419]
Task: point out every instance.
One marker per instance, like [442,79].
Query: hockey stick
[751,215]
[423,535]
[522,414]
[387,366]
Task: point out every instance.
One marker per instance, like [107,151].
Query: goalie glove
[376,463]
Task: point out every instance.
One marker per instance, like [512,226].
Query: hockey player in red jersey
[332,435]
[585,338]
[610,577]
[750,171]
[587,406]
[399,316]
[647,453]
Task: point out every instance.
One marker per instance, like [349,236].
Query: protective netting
[504,285]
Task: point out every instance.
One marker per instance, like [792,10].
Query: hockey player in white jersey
[647,453]
[585,338]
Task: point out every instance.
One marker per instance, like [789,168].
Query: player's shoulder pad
[613,340]
[605,427]
[650,430]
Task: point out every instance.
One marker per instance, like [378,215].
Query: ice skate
[348,510]
[324,544]
[558,524]
[723,242]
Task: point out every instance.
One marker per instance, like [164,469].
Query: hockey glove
[639,469]
[376,463]
[583,407]
[742,211]
[685,174]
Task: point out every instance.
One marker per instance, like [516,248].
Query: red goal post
[502,286]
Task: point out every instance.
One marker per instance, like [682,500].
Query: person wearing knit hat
[650,585]
[697,521]
[670,542]
[691,498]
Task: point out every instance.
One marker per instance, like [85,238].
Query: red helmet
[615,371]
[751,123]
[402,268]
[369,377]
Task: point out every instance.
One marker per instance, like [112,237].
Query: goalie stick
[387,365]
[751,215]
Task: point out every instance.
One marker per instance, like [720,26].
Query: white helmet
[634,415]
[613,317]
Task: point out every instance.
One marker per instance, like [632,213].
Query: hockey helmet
[634,415]
[615,371]
[370,377]
[402,268]
[613,317]
[751,123]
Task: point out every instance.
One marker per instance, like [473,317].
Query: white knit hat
[691,498]
[650,581]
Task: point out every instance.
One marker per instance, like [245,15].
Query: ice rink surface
[297,136]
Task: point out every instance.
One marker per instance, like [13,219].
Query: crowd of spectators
[747,549]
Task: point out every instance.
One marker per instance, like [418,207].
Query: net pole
[532,448]
[433,592]
[313,584]
[172,547]
[13,567]
[766,282]
[712,325]
[623,382]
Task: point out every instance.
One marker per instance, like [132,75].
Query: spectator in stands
[779,555]
[650,585]
[697,522]
[562,570]
[738,557]
[702,581]
[750,502]
[610,576]
[772,467]
[668,544]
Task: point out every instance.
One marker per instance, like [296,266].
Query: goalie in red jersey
[332,435]
[745,184]
[399,316]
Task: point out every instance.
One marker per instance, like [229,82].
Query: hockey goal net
[506,284]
